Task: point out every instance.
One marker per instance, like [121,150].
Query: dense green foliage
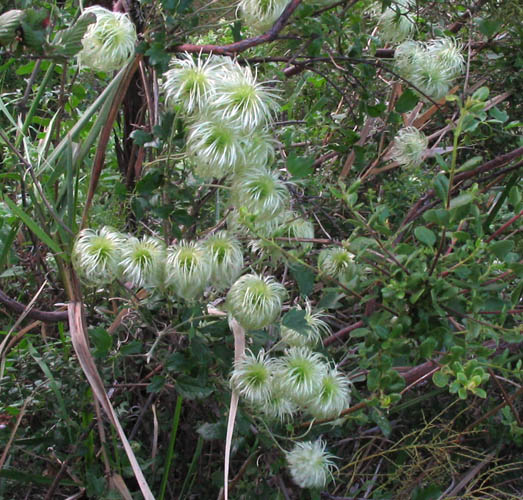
[381,290]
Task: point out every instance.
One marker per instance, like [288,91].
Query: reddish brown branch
[421,205]
[242,45]
[17,307]
[504,226]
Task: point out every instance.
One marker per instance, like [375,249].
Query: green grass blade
[170,449]
[52,383]
[33,226]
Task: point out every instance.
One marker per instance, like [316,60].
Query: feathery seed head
[255,301]
[333,396]
[216,147]
[261,15]
[448,53]
[397,23]
[96,255]
[251,377]
[316,329]
[431,77]
[242,100]
[259,151]
[261,193]
[226,258]
[406,57]
[108,42]
[188,269]
[142,260]
[300,372]
[278,406]
[336,262]
[309,464]
[409,146]
[190,83]
[298,227]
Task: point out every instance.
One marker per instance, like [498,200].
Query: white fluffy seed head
[226,258]
[259,150]
[261,15]
[278,406]
[309,338]
[216,146]
[109,42]
[333,396]
[397,21]
[448,53]
[406,57]
[190,82]
[251,377]
[255,301]
[300,372]
[96,255]
[261,193]
[188,269]
[310,466]
[244,101]
[409,147]
[142,260]
[337,262]
[431,77]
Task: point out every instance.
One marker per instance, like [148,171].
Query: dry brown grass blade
[239,351]
[81,347]
[105,135]
[13,433]
[117,483]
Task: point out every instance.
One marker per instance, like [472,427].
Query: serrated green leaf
[191,388]
[304,277]
[68,42]
[299,166]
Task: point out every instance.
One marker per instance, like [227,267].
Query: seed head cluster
[432,66]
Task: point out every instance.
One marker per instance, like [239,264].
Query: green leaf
[498,115]
[440,379]
[382,422]
[156,384]
[295,320]
[430,492]
[236,30]
[68,42]
[299,166]
[33,226]
[462,200]
[425,235]
[373,379]
[438,216]
[102,341]
[304,277]
[489,27]
[191,388]
[427,347]
[407,101]
[441,187]
[501,248]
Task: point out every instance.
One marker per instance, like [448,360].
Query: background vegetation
[427,327]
